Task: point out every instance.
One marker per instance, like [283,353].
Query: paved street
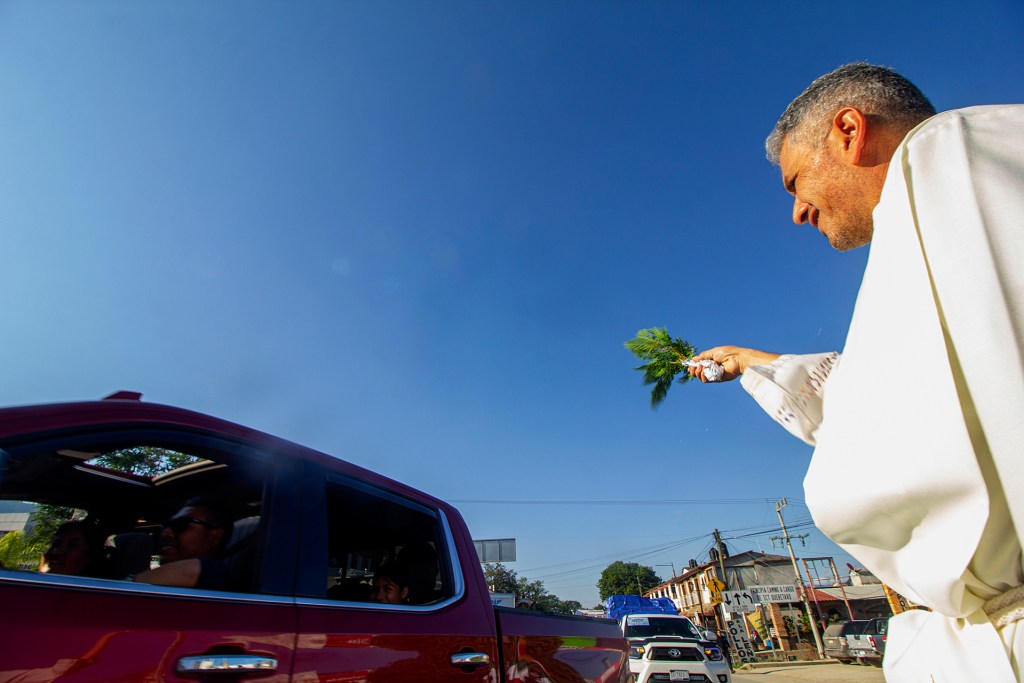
[819,673]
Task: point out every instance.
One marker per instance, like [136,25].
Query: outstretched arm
[789,388]
[183,573]
[733,359]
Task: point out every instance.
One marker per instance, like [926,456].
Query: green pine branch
[665,357]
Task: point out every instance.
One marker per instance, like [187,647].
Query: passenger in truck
[390,585]
[76,550]
[420,565]
[191,547]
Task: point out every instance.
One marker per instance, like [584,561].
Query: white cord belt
[1006,608]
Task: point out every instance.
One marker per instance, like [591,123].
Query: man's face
[832,195]
[189,534]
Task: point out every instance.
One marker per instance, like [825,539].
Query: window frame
[279,514]
[314,542]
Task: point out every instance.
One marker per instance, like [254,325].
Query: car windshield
[648,626]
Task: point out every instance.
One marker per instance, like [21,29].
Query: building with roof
[697,593]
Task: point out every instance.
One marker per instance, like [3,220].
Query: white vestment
[918,469]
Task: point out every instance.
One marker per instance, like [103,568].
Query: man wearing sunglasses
[191,545]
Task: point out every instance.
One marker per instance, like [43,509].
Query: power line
[799,525]
[631,553]
[633,556]
[636,554]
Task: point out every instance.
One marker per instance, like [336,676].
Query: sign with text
[782,593]
[897,602]
[503,599]
[740,641]
[739,601]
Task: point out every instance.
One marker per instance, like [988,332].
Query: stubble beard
[851,226]
[851,234]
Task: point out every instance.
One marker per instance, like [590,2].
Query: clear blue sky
[415,235]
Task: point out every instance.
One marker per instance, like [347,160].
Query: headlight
[636,652]
[713,653]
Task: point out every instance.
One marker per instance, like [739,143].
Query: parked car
[309,533]
[868,646]
[835,639]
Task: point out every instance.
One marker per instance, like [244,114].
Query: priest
[927,396]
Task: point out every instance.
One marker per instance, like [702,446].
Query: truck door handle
[470,659]
[229,664]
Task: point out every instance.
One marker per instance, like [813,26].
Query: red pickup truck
[307,533]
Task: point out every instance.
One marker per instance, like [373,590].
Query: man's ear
[849,133]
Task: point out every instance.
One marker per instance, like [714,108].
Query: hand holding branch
[733,359]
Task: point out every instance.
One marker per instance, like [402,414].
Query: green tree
[45,521]
[626,578]
[666,358]
[146,461]
[21,551]
[531,592]
[570,606]
[500,578]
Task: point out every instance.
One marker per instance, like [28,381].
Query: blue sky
[415,235]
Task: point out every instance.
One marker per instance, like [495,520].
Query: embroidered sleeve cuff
[790,390]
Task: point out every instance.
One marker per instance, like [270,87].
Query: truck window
[371,530]
[105,506]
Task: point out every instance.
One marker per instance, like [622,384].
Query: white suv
[667,647]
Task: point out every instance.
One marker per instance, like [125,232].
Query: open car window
[376,538]
[121,487]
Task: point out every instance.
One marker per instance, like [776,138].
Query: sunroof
[143,461]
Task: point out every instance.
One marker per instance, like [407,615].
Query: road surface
[808,673]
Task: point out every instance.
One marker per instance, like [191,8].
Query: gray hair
[876,91]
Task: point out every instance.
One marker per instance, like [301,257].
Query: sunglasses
[179,524]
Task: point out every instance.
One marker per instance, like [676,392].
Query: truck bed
[533,646]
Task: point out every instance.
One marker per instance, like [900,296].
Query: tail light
[871,639]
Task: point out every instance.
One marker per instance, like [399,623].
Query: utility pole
[721,563]
[700,600]
[673,587]
[725,582]
[807,603]
[744,650]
